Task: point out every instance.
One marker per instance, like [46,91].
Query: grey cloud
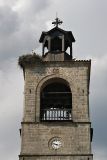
[9,137]
[20,43]
[8,2]
[37,6]
[100,154]
[20,29]
[11,102]
[98,102]
[9,21]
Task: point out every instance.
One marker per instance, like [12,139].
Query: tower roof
[56,30]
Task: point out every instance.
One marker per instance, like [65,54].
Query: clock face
[56,144]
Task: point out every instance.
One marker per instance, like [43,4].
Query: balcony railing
[56,114]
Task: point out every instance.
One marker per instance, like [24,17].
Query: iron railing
[56,114]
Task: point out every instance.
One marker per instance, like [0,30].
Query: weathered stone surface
[75,73]
[36,137]
[75,135]
[58,157]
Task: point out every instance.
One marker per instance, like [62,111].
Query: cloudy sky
[21,23]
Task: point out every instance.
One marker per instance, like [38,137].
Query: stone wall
[77,76]
[75,134]
[79,157]
[36,138]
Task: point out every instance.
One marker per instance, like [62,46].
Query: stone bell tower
[56,122]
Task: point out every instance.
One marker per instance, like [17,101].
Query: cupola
[57,41]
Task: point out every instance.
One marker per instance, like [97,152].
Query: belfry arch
[55,100]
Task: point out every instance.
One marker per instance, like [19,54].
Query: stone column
[49,44]
[63,44]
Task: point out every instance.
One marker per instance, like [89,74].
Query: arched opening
[56,44]
[45,46]
[56,102]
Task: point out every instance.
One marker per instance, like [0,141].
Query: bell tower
[56,122]
[56,41]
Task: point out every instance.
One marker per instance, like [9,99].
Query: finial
[57,21]
[56,14]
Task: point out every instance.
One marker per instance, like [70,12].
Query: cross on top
[57,22]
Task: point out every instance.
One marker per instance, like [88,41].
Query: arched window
[56,44]
[56,102]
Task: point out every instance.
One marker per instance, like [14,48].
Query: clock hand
[55,143]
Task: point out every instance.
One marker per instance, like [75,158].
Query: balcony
[56,114]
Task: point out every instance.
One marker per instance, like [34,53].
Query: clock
[55,143]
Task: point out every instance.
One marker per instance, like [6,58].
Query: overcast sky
[21,23]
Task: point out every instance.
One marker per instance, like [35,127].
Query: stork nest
[29,59]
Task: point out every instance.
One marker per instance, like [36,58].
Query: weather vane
[57,21]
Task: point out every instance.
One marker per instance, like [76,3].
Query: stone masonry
[76,134]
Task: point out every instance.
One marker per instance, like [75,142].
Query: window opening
[56,44]
[56,102]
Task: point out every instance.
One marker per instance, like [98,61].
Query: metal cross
[57,22]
